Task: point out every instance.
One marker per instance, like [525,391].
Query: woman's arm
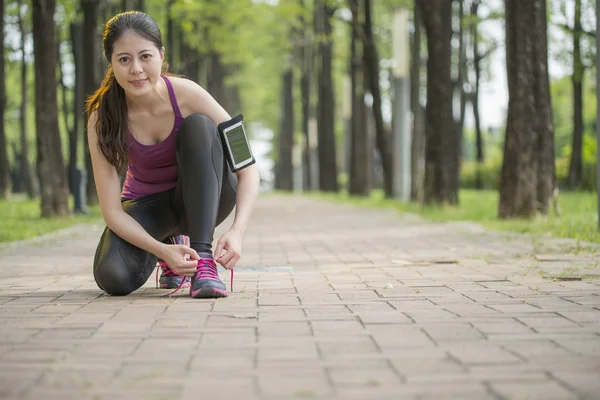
[108,186]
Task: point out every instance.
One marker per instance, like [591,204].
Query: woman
[163,130]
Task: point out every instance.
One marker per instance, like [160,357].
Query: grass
[579,219]
[21,220]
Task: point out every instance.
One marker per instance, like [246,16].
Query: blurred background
[463,109]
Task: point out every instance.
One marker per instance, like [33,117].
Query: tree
[475,94]
[575,178]
[439,129]
[417,149]
[326,103]
[4,167]
[90,81]
[27,178]
[305,86]
[285,172]
[361,163]
[50,167]
[527,178]
[382,135]
[456,150]
[598,109]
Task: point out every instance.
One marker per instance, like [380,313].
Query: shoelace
[203,271]
[166,271]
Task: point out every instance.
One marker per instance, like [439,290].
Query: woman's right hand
[181,258]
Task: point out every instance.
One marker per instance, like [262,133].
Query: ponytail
[111,123]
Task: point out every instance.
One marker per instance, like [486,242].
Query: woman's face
[136,63]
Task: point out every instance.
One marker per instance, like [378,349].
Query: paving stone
[330,301]
[585,384]
[481,353]
[542,390]
[358,376]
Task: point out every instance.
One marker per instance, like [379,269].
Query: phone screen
[239,145]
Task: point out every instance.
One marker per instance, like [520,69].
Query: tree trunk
[171,28]
[527,178]
[53,180]
[65,114]
[189,65]
[90,81]
[417,146]
[544,150]
[576,165]
[27,178]
[361,164]
[326,105]
[216,78]
[439,122]
[383,136]
[286,134]
[475,94]
[597,60]
[305,60]
[5,187]
[76,30]
[456,154]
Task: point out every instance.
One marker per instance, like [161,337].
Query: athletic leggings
[203,198]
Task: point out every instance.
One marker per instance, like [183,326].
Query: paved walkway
[330,301]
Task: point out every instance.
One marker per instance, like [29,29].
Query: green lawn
[579,219]
[20,219]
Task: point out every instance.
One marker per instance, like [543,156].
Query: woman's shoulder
[187,93]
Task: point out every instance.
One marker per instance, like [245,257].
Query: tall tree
[91,77]
[576,163]
[286,134]
[475,93]
[361,154]
[527,178]
[4,167]
[598,110]
[326,104]
[382,135]
[50,168]
[439,130]
[417,149]
[76,32]
[459,85]
[171,29]
[305,85]
[27,178]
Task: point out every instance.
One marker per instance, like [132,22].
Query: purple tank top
[153,168]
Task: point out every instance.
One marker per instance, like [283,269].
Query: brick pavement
[330,301]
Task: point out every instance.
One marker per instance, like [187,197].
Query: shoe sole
[207,292]
[173,286]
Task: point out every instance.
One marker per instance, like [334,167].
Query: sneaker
[169,279]
[206,282]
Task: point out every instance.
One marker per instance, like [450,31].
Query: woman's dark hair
[109,100]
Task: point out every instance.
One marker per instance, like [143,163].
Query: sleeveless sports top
[153,168]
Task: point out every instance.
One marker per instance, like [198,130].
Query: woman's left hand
[231,242]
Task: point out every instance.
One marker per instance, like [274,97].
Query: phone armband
[236,145]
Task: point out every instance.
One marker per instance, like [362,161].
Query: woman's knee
[112,278]
[196,129]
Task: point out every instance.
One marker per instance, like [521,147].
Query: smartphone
[237,147]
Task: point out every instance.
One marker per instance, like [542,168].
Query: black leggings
[203,198]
